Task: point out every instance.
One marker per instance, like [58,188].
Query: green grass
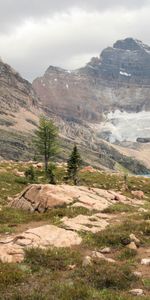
[118,208]
[46,274]
[53,259]
[104,275]
[10,185]
[10,218]
[117,236]
[146,283]
[11,274]
[127,254]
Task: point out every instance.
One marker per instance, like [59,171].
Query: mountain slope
[110,96]
[19,111]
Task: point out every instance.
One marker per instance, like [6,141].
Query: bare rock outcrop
[40,197]
[12,248]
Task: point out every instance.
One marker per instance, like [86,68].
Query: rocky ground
[64,242]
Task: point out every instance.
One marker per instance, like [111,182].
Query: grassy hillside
[58,274]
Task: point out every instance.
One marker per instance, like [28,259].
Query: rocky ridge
[80,102]
[108,99]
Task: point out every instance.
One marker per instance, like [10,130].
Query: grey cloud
[68,40]
[13,12]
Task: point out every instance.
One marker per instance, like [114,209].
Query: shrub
[30,173]
[53,259]
[104,275]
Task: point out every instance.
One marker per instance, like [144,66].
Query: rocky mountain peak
[54,69]
[130,44]
[115,80]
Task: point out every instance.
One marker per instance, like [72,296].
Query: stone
[105,250]
[71,267]
[132,246]
[137,292]
[138,194]
[12,248]
[85,223]
[145,261]
[10,253]
[39,165]
[98,255]
[18,173]
[142,210]
[40,197]
[89,169]
[87,261]
[137,274]
[134,239]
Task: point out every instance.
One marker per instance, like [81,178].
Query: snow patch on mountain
[124,126]
[125,74]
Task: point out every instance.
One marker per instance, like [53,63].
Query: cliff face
[15,92]
[119,79]
[19,111]
[89,106]
[108,99]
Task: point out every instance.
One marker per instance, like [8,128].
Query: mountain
[88,106]
[113,81]
[19,111]
[108,99]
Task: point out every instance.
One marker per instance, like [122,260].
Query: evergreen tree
[45,140]
[51,173]
[74,164]
[30,173]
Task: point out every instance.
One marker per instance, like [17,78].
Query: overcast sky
[67,33]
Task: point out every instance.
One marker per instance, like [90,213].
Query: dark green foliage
[51,173]
[54,259]
[117,236]
[30,173]
[103,275]
[127,254]
[45,139]
[10,274]
[74,164]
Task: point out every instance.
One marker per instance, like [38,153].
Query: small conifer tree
[51,173]
[45,140]
[74,163]
[30,173]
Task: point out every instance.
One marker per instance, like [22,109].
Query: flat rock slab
[92,223]
[40,197]
[12,248]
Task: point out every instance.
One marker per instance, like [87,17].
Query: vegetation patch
[103,275]
[53,259]
[10,274]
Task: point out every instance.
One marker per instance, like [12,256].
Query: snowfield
[125,126]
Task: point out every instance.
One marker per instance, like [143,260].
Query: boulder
[10,253]
[145,261]
[87,261]
[98,255]
[137,274]
[137,292]
[40,197]
[134,239]
[132,246]
[138,194]
[12,248]
[142,210]
[85,223]
[105,250]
